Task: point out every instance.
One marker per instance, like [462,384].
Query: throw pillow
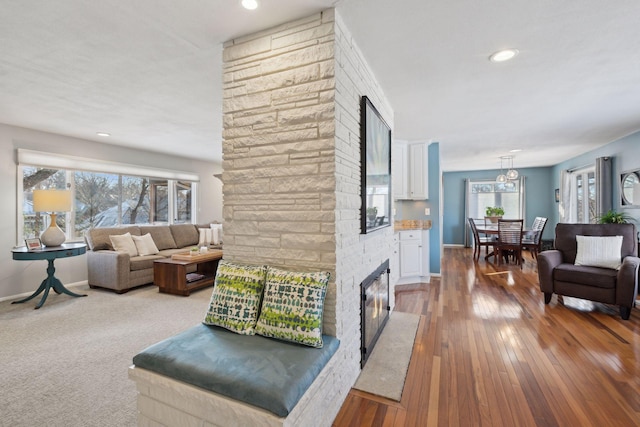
[205,236]
[293,306]
[216,233]
[599,251]
[236,297]
[145,245]
[124,243]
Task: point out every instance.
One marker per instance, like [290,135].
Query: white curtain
[567,206]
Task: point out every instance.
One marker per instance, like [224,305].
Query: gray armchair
[558,274]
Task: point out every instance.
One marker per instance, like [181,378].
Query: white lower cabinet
[413,256]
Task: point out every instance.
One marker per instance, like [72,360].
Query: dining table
[492,230]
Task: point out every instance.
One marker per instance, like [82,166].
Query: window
[583,184]
[104,199]
[508,195]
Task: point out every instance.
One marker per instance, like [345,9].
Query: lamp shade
[51,200]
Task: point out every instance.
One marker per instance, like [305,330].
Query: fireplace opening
[374,309]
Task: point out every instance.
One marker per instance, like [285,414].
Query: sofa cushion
[293,306]
[161,235]
[145,245]
[266,373]
[124,243]
[585,275]
[205,238]
[599,251]
[137,263]
[98,238]
[236,297]
[184,235]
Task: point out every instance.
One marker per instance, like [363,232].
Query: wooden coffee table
[170,274]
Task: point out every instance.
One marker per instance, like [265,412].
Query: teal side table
[50,254]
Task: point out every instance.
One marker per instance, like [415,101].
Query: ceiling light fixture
[502,178]
[250,4]
[512,173]
[103,134]
[503,55]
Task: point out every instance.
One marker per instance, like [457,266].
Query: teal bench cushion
[260,371]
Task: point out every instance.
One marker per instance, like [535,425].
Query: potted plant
[494,213]
[613,217]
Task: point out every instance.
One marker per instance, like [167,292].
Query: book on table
[193,277]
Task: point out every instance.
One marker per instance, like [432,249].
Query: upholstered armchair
[588,270]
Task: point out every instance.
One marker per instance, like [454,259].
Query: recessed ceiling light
[503,55]
[250,4]
[515,150]
[103,134]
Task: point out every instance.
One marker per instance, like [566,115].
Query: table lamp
[52,201]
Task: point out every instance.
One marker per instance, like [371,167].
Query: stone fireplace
[374,309]
[291,172]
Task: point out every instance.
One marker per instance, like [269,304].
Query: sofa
[120,270]
[584,265]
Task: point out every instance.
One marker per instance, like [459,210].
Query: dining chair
[478,240]
[509,240]
[533,240]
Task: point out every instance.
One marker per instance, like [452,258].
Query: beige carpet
[386,369]
[66,363]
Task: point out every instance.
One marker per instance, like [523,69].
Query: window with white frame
[508,195]
[583,191]
[103,198]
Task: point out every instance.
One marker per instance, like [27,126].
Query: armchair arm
[547,261]
[627,281]
[108,269]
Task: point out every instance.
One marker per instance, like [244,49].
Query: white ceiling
[149,71]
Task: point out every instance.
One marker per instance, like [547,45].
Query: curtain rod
[588,164]
[580,167]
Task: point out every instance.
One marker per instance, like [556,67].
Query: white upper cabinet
[410,163]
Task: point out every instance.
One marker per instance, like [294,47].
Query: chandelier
[512,174]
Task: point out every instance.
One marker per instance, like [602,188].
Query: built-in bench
[208,374]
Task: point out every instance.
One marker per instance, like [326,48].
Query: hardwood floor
[488,352]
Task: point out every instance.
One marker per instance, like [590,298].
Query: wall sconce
[52,201]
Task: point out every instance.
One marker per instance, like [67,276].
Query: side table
[66,250]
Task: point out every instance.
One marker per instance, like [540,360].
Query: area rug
[386,369]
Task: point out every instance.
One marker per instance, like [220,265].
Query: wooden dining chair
[478,240]
[509,240]
[533,240]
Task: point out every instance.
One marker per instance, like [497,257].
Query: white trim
[61,161]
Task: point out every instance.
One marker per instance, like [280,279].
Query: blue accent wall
[539,199]
[435,238]
[625,154]
[540,187]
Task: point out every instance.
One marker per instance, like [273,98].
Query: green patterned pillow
[235,301]
[293,306]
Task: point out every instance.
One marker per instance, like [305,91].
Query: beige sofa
[118,270]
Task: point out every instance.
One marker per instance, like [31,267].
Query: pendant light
[512,173]
[502,177]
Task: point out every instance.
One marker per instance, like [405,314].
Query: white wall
[21,277]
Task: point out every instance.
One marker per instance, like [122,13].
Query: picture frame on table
[33,244]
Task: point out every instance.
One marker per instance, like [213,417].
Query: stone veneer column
[291,168]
